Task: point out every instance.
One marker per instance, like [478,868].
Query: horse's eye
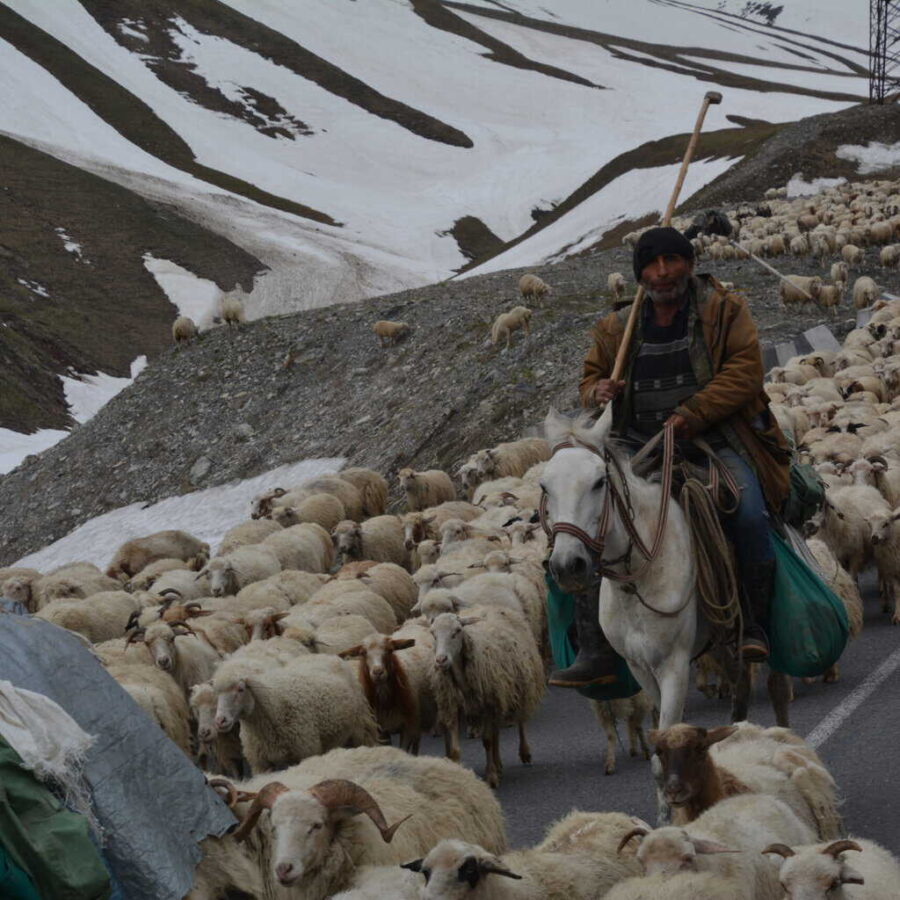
[599,483]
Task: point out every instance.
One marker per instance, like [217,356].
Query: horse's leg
[673,686]
[740,692]
[779,686]
[524,749]
[488,740]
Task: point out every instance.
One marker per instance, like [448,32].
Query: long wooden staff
[710,98]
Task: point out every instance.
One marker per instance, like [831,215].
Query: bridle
[618,499]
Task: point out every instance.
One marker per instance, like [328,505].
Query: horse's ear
[601,429]
[555,426]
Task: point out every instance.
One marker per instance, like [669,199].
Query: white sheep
[228,574]
[184,330]
[820,871]
[144,579]
[506,323]
[69,582]
[253,531]
[425,524]
[424,489]
[533,288]
[291,712]
[852,255]
[800,289]
[133,555]
[486,667]
[840,271]
[218,753]
[176,649]
[379,539]
[232,310]
[334,814]
[306,547]
[389,332]
[372,486]
[865,292]
[513,458]
[348,598]
[890,256]
[100,618]
[394,584]
[615,284]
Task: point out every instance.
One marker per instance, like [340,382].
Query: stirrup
[754,649]
[556,680]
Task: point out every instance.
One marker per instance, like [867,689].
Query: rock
[200,469]
[244,431]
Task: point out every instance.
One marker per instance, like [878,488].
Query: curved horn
[182,625]
[135,636]
[231,792]
[635,832]
[780,849]
[489,867]
[133,620]
[837,847]
[171,594]
[264,799]
[338,794]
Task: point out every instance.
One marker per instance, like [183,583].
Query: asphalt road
[855,723]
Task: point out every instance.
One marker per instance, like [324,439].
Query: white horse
[654,622]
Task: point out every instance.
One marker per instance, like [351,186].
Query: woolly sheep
[340,633]
[100,618]
[506,323]
[329,816]
[865,292]
[394,584]
[852,255]
[379,539]
[394,673]
[424,489]
[389,332]
[133,555]
[228,574]
[232,311]
[281,591]
[511,459]
[701,767]
[254,531]
[533,288]
[890,256]
[157,694]
[70,582]
[305,547]
[380,882]
[800,289]
[615,284]
[426,524]
[831,295]
[372,486]
[184,330]
[840,271]
[217,753]
[354,599]
[287,714]
[820,871]
[187,657]
[683,886]
[144,579]
[489,669]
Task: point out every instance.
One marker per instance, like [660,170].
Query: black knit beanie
[659,242]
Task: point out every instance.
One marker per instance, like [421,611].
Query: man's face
[666,278]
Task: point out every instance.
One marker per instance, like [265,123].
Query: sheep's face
[203,708]
[683,751]
[438,602]
[453,531]
[407,479]
[304,831]
[160,640]
[17,589]
[447,629]
[429,551]
[453,870]
[881,528]
[221,577]
[348,540]
[261,623]
[666,851]
[814,875]
[232,704]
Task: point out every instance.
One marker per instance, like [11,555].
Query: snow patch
[71,245]
[873,157]
[34,286]
[130,27]
[195,297]
[798,187]
[86,395]
[15,446]
[206,514]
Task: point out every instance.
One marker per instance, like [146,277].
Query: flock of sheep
[284,664]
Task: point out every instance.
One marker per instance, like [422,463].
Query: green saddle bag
[806,496]
[560,615]
[808,625]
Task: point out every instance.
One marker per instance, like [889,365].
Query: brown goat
[384,681]
[692,782]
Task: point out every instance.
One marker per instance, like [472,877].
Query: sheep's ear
[414,866]
[849,875]
[200,575]
[402,644]
[352,653]
[703,846]
[714,735]
[469,620]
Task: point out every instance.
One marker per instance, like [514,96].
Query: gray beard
[671,296]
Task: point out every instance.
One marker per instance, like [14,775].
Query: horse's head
[575,487]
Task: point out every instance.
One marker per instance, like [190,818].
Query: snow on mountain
[344,144]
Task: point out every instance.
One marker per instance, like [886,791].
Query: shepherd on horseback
[694,363]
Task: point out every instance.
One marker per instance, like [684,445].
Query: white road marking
[830,724]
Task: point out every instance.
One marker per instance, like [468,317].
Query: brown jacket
[727,362]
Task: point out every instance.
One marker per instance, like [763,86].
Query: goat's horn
[135,636]
[838,847]
[231,792]
[174,592]
[337,793]
[183,625]
[635,832]
[780,849]
[494,868]
[264,799]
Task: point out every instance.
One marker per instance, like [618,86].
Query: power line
[884,49]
